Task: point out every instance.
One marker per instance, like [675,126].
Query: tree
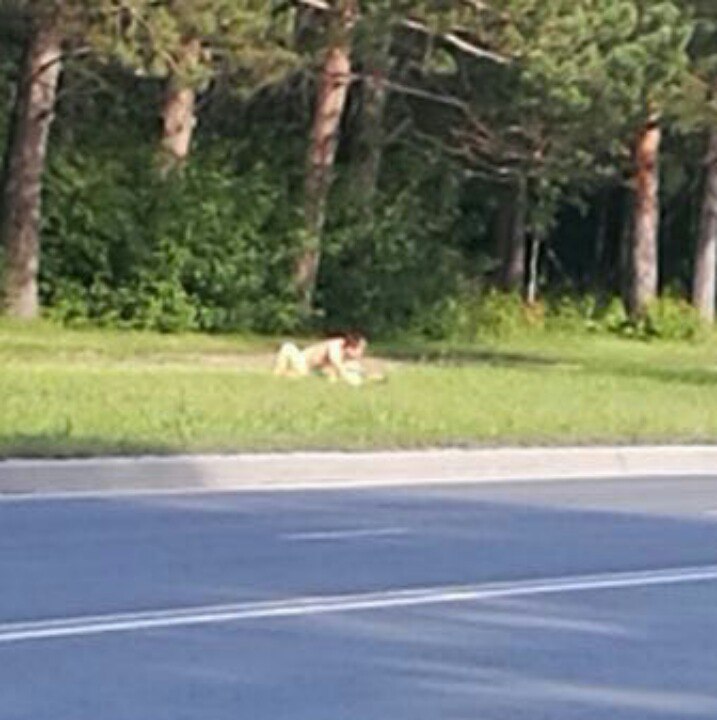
[581,75]
[187,43]
[24,162]
[656,74]
[704,56]
[643,286]
[182,40]
[704,285]
[511,236]
[341,18]
[376,61]
[334,82]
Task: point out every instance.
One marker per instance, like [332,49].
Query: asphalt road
[552,601]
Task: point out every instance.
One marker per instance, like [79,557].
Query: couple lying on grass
[337,358]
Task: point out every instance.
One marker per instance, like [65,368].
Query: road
[559,600]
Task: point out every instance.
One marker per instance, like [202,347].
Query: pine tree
[704,56]
[334,82]
[187,42]
[38,25]
[581,77]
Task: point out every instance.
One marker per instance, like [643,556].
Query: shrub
[207,249]
[671,317]
[473,314]
[381,274]
[570,314]
[505,314]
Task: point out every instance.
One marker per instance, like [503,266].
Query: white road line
[323,535]
[16,632]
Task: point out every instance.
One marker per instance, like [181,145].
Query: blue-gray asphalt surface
[623,653]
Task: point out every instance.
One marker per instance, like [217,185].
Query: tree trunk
[331,100]
[512,240]
[178,110]
[24,166]
[624,275]
[643,282]
[177,125]
[599,258]
[370,140]
[703,288]
[531,288]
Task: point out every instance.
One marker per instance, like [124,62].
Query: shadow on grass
[60,446]
[463,356]
[700,376]
[694,376]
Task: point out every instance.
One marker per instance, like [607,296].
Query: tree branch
[449,37]
[458,42]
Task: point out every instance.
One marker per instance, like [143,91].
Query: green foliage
[584,74]
[213,248]
[208,250]
[378,273]
[567,314]
[670,317]
[471,315]
[156,38]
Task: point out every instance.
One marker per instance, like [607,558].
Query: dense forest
[427,166]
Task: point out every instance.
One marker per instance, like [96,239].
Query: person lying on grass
[338,358]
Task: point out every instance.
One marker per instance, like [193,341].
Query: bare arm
[337,364]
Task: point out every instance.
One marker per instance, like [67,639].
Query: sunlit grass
[92,392]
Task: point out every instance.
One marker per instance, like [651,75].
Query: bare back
[326,354]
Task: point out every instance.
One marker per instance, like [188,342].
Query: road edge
[304,470]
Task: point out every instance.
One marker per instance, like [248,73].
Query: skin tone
[338,358]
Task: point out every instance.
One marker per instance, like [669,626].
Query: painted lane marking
[16,632]
[321,535]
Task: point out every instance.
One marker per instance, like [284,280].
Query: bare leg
[290,361]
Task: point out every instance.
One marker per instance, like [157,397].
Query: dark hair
[354,338]
[351,338]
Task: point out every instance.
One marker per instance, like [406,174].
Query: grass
[93,392]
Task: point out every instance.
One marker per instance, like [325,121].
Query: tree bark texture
[531,288]
[599,258]
[330,103]
[370,132]
[178,111]
[703,286]
[511,248]
[24,165]
[646,215]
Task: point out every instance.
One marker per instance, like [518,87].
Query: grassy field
[92,392]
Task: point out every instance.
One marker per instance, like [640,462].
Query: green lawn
[89,392]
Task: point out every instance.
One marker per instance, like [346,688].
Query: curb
[304,470]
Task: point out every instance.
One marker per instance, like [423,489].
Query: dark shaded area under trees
[393,166]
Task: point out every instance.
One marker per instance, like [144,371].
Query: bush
[505,314]
[671,317]
[380,274]
[473,314]
[569,314]
[207,249]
